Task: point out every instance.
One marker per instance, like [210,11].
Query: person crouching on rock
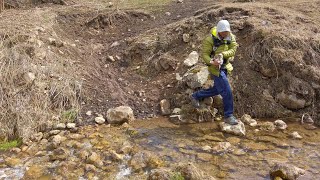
[218,50]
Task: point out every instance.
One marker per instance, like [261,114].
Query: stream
[218,154]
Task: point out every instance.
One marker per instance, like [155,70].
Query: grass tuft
[10,144]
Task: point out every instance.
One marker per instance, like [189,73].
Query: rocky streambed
[158,149]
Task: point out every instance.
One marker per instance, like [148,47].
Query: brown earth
[276,68]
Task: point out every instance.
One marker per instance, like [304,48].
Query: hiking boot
[195,102]
[231,120]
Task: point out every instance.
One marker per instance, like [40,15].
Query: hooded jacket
[211,47]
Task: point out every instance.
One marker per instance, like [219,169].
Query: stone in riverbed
[54,132]
[246,119]
[280,124]
[71,125]
[12,162]
[61,126]
[295,135]
[59,154]
[120,115]
[190,171]
[99,120]
[95,159]
[222,147]
[238,129]
[35,172]
[267,126]
[286,171]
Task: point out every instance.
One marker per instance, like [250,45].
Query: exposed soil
[111,84]
[276,69]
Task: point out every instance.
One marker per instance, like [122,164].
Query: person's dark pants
[222,87]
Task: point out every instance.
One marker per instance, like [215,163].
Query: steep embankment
[132,57]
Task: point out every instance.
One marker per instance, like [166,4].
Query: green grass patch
[69,115]
[177,176]
[10,144]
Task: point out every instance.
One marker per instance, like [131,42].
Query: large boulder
[238,129]
[120,115]
[286,171]
[196,77]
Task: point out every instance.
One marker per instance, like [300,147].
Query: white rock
[280,124]
[118,58]
[168,13]
[54,132]
[52,41]
[165,107]
[110,4]
[71,125]
[186,38]
[179,1]
[238,129]
[306,118]
[61,126]
[99,120]
[89,113]
[176,111]
[29,77]
[178,77]
[125,125]
[192,59]
[206,148]
[114,44]
[295,135]
[111,58]
[246,119]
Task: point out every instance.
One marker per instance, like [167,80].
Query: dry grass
[124,4]
[38,85]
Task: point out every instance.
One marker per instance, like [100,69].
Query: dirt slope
[276,69]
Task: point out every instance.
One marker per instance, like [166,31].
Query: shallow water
[251,157]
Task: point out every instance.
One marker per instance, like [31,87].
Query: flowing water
[249,157]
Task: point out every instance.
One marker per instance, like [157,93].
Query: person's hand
[215,63]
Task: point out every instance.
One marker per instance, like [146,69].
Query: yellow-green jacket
[228,49]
